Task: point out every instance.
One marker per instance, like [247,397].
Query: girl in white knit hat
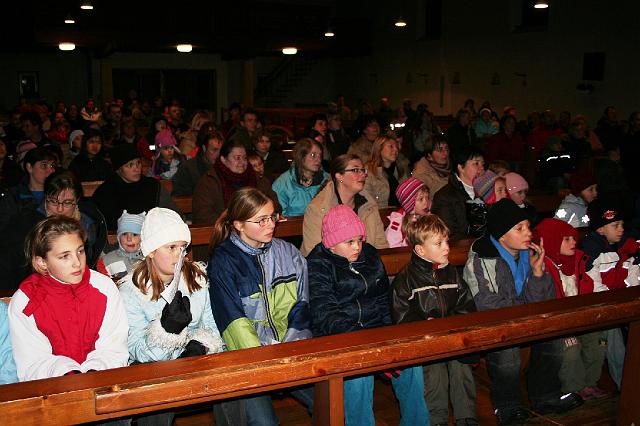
[167,299]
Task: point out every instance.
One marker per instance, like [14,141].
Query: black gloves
[177,314]
[193,348]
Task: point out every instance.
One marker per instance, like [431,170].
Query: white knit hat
[160,227]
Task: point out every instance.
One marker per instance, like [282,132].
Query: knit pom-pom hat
[407,192]
[162,226]
[340,224]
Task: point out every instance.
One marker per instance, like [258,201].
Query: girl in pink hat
[349,291]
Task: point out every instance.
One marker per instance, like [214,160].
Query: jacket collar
[246,248]
[483,247]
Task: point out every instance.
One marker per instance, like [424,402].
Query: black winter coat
[465,217]
[420,292]
[347,296]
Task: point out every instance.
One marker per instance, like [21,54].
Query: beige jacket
[323,202]
[377,184]
[423,171]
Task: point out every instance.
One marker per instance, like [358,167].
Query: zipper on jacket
[439,292]
[366,288]
[263,291]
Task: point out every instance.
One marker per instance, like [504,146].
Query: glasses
[264,221]
[67,204]
[46,165]
[357,170]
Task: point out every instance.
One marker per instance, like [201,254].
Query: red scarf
[69,315]
[232,181]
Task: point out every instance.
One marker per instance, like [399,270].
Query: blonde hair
[40,239]
[144,272]
[375,158]
[243,205]
[417,232]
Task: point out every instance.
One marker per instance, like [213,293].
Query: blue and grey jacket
[259,296]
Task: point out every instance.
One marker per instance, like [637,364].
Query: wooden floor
[292,413]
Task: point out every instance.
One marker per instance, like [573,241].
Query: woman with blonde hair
[386,169]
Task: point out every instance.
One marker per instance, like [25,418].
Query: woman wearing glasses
[346,186]
[62,193]
[297,187]
[258,286]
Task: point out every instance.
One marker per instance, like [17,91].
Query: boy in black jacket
[429,288]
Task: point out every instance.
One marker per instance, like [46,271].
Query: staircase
[274,88]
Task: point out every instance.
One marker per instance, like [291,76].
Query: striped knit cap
[484,186]
[407,192]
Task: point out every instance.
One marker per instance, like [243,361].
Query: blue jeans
[259,410]
[615,354]
[409,390]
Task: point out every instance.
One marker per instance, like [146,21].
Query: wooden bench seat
[324,361]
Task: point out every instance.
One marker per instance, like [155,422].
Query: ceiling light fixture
[541,4]
[66,46]
[329,32]
[400,22]
[289,50]
[86,5]
[69,19]
[184,48]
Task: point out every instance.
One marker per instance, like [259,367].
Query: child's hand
[536,258]
[177,314]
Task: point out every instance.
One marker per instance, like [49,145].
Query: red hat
[553,232]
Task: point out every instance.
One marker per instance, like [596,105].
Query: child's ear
[40,265]
[419,250]
[238,225]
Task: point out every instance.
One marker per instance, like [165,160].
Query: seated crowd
[144,300]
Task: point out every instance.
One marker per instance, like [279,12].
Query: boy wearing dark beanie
[611,263]
[505,268]
[573,209]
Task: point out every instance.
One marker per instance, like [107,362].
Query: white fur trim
[157,336]
[205,336]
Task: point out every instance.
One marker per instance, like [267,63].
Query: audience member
[345,186]
[89,165]
[413,196]
[386,169]
[297,186]
[190,171]
[434,169]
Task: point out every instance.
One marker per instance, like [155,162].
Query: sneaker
[561,405]
[515,416]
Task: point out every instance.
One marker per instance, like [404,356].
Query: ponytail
[221,231]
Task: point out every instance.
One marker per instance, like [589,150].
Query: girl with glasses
[258,286]
[346,186]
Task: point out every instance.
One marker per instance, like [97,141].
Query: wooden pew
[292,227]
[88,188]
[324,361]
[184,204]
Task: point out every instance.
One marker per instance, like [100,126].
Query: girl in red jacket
[65,318]
[584,354]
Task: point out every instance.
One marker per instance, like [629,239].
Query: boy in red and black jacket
[611,262]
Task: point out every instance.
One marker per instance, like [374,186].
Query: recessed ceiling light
[400,22]
[184,48]
[541,4]
[66,46]
[329,32]
[289,50]
[86,5]
[69,19]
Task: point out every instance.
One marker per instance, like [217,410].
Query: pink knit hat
[515,182]
[165,138]
[407,192]
[340,224]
